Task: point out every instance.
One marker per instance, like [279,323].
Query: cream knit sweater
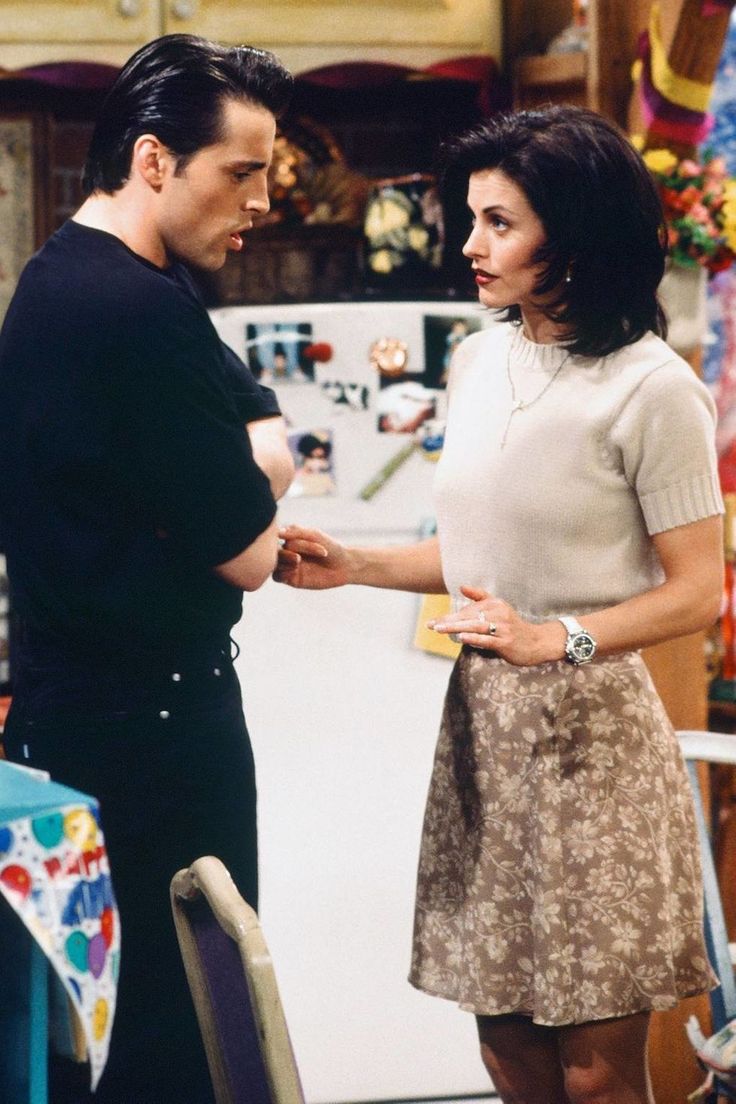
[557,520]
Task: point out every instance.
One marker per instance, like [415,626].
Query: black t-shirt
[126,471]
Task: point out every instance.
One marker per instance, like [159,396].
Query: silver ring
[491,629]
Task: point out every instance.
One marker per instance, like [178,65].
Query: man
[139,467]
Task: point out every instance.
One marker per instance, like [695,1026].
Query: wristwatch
[580,646]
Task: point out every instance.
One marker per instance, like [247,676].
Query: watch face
[581,647]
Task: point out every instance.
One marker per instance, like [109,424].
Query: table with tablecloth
[57,909]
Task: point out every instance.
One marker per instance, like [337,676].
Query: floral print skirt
[559,873]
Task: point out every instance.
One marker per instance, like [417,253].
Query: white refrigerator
[343,712]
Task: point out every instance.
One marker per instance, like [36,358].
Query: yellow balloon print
[81,828]
[99,1019]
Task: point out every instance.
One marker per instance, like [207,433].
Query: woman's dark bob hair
[601,212]
[174,87]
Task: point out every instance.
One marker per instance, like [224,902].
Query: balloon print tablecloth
[54,873]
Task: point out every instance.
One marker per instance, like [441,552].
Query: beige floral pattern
[559,874]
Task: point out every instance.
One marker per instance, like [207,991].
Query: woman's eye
[498,223]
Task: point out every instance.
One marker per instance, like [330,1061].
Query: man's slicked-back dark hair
[599,207]
[174,87]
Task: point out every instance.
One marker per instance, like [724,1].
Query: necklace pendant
[524,404]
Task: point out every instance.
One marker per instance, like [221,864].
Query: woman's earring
[568,277]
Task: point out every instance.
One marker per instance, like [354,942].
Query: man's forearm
[271,453]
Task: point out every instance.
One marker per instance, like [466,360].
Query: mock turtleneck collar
[533,354]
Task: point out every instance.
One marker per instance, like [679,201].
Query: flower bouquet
[699,200]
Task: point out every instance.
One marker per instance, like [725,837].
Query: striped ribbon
[674,107]
[691,94]
[666,119]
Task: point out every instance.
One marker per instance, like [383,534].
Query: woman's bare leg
[523,1060]
[606,1062]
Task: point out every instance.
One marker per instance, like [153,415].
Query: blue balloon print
[6,841]
[87,901]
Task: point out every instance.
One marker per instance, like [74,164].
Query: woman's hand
[489,624]
[311,560]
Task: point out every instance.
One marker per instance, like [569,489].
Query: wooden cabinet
[57,21]
[88,25]
[599,77]
[304,33]
[127,22]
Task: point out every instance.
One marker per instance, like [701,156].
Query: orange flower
[716,168]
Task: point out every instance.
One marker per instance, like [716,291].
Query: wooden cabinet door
[430,29]
[220,20]
[599,78]
[79,21]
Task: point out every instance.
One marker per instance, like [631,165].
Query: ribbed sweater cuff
[695,498]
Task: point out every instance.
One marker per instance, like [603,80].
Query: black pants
[170,762]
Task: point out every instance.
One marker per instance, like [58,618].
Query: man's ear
[151,160]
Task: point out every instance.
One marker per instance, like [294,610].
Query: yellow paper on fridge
[432,607]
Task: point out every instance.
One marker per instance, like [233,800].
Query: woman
[578,514]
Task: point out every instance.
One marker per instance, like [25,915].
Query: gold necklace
[522,404]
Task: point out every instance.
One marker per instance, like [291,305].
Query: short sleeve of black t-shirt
[253,400]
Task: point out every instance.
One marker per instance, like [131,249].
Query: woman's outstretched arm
[312,560]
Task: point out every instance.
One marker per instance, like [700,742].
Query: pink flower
[689,168]
[700,213]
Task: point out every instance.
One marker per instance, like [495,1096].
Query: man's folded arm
[271,452]
[251,567]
